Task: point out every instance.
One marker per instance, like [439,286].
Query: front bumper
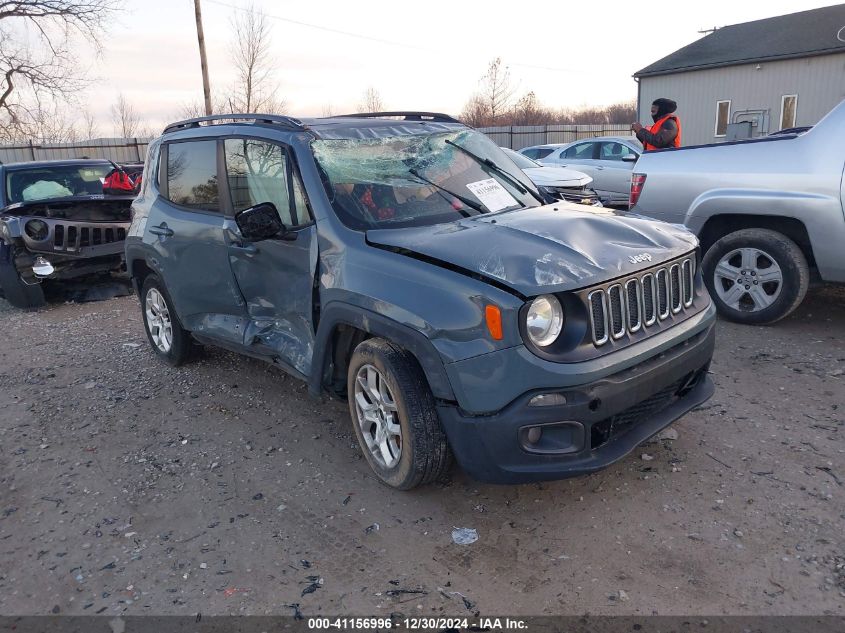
[601,422]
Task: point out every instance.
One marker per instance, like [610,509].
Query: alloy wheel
[748,279]
[378,416]
[158,320]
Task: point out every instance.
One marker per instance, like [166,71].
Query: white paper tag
[492,195]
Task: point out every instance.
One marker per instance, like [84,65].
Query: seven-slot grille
[626,307]
[72,237]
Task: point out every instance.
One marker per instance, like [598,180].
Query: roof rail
[276,119]
[435,117]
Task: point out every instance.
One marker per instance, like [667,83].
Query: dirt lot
[130,487]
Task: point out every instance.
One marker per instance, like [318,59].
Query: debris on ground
[315,583]
[371,528]
[464,536]
[668,434]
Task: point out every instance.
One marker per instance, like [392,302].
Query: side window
[300,203]
[258,172]
[531,153]
[542,153]
[583,151]
[192,175]
[615,151]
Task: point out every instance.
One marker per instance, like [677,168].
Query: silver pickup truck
[769,213]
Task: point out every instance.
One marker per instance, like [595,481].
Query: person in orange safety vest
[666,131]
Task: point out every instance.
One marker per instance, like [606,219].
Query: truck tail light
[637,184]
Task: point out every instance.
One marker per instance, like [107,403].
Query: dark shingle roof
[803,34]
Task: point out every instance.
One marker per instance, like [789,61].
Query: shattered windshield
[417,180]
[47,183]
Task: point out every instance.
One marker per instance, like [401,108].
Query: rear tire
[395,417]
[756,276]
[169,340]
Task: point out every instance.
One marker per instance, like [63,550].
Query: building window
[723,115]
[788,111]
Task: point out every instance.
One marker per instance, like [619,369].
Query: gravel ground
[130,487]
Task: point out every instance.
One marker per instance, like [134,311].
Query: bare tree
[255,88]
[494,100]
[475,113]
[623,112]
[528,111]
[328,110]
[371,102]
[39,71]
[88,125]
[126,119]
[497,91]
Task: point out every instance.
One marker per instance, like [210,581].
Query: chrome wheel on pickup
[168,339]
[748,279]
[756,276]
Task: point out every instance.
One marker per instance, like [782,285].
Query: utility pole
[206,87]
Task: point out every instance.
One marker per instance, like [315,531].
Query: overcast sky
[429,57]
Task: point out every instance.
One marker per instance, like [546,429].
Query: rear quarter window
[192,175]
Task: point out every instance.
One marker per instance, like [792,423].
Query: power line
[376,39]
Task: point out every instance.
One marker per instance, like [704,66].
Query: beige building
[752,79]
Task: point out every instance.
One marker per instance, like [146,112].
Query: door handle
[162,230]
[600,168]
[245,247]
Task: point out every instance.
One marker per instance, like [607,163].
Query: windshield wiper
[501,171]
[470,203]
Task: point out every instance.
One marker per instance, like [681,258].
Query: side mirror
[630,158]
[260,222]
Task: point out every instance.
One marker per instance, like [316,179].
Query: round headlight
[37,229]
[544,320]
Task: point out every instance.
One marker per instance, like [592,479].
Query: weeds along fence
[519,136]
[119,150]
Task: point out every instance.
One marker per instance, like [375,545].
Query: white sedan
[559,182]
[608,159]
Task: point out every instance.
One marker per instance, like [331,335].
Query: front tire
[394,416]
[169,340]
[756,276]
[13,288]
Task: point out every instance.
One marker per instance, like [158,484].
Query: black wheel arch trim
[336,313]
[135,255]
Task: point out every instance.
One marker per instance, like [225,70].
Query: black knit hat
[664,107]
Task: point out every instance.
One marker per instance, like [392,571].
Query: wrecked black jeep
[57,224]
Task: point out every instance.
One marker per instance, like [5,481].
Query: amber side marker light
[494,321]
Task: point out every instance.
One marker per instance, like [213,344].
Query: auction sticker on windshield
[492,195]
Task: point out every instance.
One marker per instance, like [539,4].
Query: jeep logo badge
[642,257]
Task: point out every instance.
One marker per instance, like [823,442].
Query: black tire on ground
[783,251]
[181,347]
[425,454]
[16,292]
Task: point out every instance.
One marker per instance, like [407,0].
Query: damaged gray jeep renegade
[402,261]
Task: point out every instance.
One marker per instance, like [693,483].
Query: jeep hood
[545,249]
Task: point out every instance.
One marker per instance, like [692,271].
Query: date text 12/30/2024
[416,624]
